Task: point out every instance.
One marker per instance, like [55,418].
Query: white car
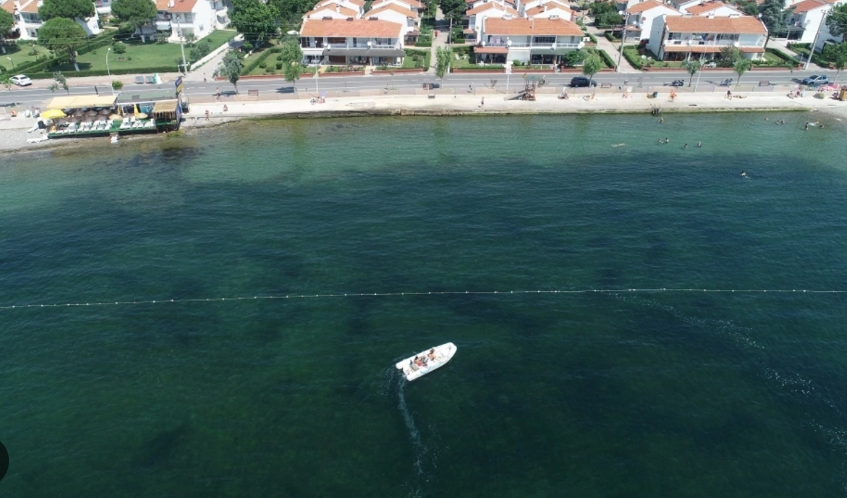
[21,80]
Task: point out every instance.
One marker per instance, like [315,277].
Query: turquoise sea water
[586,395]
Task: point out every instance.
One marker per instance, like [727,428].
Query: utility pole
[182,47]
[815,42]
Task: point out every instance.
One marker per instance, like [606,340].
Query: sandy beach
[15,132]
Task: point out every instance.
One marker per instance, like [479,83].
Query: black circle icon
[4,461]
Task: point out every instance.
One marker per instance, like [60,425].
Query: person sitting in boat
[431,354]
[419,362]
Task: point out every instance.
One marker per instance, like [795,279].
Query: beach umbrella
[53,114]
[105,112]
[91,113]
[135,110]
[78,113]
[114,116]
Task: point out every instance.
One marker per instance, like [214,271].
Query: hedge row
[631,55]
[607,59]
[40,66]
[250,66]
[114,72]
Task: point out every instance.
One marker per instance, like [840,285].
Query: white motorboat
[432,359]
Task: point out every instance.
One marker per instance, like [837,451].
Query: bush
[247,46]
[606,58]
[632,56]
[117,85]
[279,65]
[119,48]
[161,38]
[263,65]
[259,59]
[573,58]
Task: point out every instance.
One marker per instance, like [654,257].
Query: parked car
[816,79]
[579,81]
[21,80]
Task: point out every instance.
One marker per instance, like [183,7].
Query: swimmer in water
[699,144]
[667,140]
[743,173]
[618,145]
[685,146]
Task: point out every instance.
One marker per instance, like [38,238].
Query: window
[544,39]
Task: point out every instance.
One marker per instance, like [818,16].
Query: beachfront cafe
[101,115]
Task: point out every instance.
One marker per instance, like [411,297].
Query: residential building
[641,16]
[103,7]
[539,41]
[681,37]
[476,15]
[331,11]
[550,10]
[395,13]
[714,9]
[352,42]
[28,21]
[179,18]
[805,17]
[356,5]
[682,5]
[406,4]
[472,4]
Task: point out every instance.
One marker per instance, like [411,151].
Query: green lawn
[19,54]
[423,60]
[142,55]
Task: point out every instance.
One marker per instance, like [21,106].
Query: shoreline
[443,105]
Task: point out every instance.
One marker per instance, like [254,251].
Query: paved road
[37,96]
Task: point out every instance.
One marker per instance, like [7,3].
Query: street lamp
[623,37]
[815,42]
[509,65]
[689,43]
[107,70]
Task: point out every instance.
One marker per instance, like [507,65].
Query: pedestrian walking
[482,103]
[218,93]
[207,114]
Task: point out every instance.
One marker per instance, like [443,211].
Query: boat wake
[423,457]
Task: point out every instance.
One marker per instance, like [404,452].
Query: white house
[407,4]
[356,5]
[179,18]
[477,14]
[395,13]
[805,17]
[682,5]
[331,11]
[679,38]
[539,41]
[714,9]
[27,20]
[472,4]
[103,7]
[352,42]
[550,9]
[641,16]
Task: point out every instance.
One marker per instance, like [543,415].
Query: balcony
[710,43]
[549,46]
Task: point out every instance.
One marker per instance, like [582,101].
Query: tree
[442,62]
[135,13]
[6,22]
[574,57]
[117,85]
[452,9]
[292,57]
[773,16]
[231,67]
[741,66]
[591,66]
[605,14]
[200,50]
[59,81]
[69,9]
[837,20]
[257,21]
[838,55]
[119,48]
[692,67]
[4,80]
[293,10]
[729,56]
[190,38]
[59,34]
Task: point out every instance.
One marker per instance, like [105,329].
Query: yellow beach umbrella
[53,114]
[135,109]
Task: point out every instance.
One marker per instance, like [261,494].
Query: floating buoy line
[419,294]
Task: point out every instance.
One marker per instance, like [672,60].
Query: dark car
[582,81]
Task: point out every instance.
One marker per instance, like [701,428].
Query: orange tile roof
[645,6]
[808,5]
[511,2]
[414,4]
[736,25]
[495,26]
[550,6]
[391,6]
[356,28]
[707,7]
[30,7]
[9,7]
[491,5]
[180,6]
[348,12]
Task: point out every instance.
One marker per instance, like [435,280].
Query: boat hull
[443,354]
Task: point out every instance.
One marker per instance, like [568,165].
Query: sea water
[677,391]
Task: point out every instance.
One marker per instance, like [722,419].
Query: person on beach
[673,95]
[482,103]
[470,88]
[729,94]
[226,108]
[207,114]
[218,93]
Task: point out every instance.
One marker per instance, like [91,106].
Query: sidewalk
[612,49]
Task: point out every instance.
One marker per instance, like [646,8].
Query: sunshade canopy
[53,114]
[80,101]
